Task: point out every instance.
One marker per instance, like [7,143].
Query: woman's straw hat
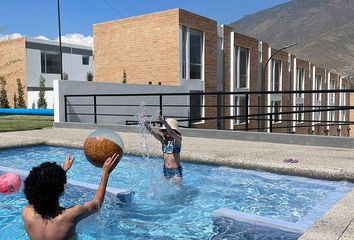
[173,123]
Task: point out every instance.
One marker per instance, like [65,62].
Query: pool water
[161,210]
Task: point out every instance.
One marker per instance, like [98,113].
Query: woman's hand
[69,160]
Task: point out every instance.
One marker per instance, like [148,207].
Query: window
[85,60]
[192,53]
[318,114]
[318,86]
[196,106]
[343,103]
[50,62]
[300,113]
[332,85]
[276,108]
[299,82]
[240,109]
[241,67]
[276,75]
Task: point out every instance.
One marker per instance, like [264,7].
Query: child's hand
[159,115]
[69,160]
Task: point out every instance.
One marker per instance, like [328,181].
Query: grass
[10,123]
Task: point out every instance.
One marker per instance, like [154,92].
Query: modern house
[28,58]
[180,48]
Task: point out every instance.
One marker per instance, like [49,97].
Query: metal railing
[257,113]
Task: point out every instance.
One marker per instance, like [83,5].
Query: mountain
[322,29]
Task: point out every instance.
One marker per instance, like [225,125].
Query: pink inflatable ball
[9,183]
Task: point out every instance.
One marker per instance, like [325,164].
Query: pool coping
[335,224]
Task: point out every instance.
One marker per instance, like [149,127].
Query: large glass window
[276,109]
[241,67]
[192,53]
[332,99]
[318,86]
[196,106]
[85,60]
[50,62]
[299,81]
[300,113]
[343,103]
[276,74]
[240,110]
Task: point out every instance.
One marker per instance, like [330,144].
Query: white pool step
[123,195]
[258,221]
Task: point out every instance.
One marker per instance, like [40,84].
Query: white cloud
[42,37]
[10,36]
[74,38]
[77,38]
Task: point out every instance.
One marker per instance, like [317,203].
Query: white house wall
[32,97]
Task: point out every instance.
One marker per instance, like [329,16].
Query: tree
[15,100]
[89,76]
[125,77]
[20,100]
[4,101]
[42,102]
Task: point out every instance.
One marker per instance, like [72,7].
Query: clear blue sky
[39,17]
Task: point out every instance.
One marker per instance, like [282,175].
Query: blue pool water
[161,210]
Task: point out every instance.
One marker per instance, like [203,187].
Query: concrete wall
[13,65]
[62,88]
[32,97]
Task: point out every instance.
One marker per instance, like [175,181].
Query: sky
[38,18]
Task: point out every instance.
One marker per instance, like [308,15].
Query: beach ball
[102,144]
[9,183]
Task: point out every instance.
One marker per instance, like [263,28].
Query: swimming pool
[160,210]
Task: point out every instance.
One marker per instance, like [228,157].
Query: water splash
[144,118]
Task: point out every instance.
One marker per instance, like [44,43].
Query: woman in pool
[171,140]
[44,218]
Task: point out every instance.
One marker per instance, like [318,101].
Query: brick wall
[146,47]
[13,65]
[209,27]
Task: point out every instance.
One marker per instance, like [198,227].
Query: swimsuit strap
[170,147]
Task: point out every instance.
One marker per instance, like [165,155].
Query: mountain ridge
[322,29]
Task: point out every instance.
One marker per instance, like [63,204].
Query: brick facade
[146,47]
[209,28]
[13,65]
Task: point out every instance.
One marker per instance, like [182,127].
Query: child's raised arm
[156,134]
